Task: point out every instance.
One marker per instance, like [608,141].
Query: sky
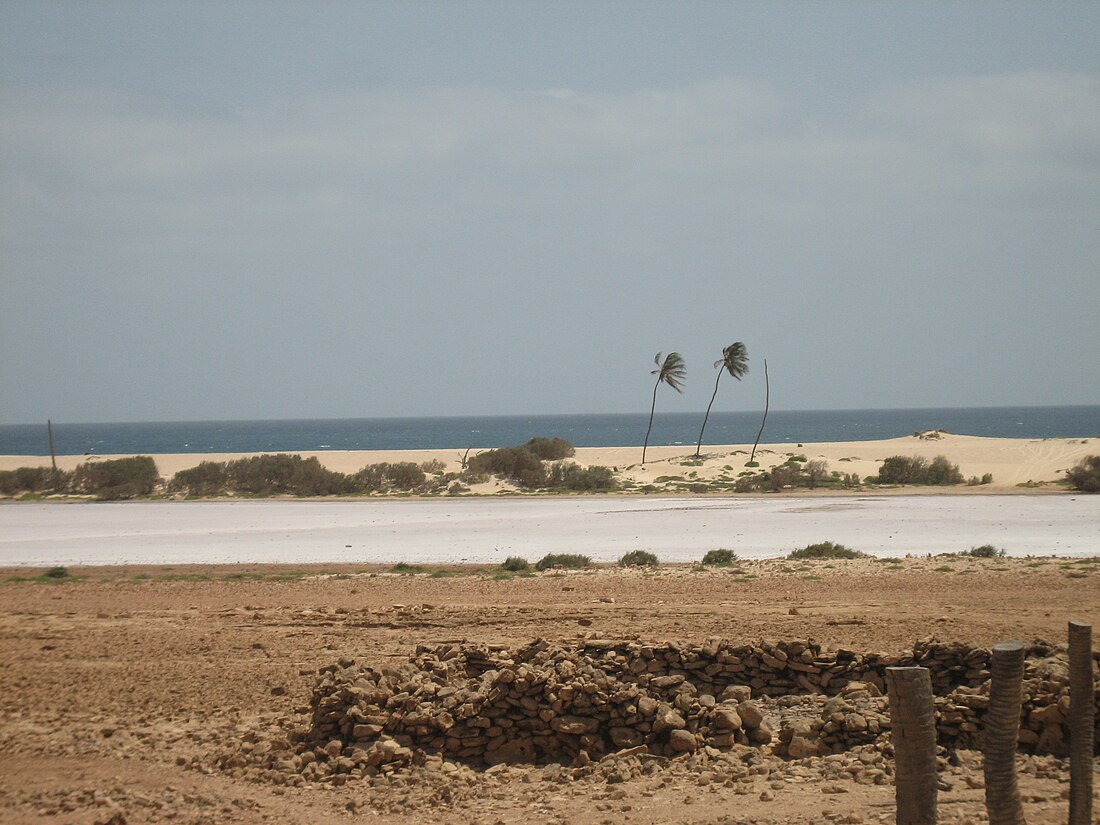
[250,210]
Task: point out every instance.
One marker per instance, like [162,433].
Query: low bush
[514,564]
[206,479]
[57,573]
[433,466]
[721,557]
[517,464]
[550,449]
[639,558]
[565,475]
[825,550]
[986,551]
[33,480]
[1085,475]
[283,474]
[119,478]
[569,561]
[406,569]
[915,469]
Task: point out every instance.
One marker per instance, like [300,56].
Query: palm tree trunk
[652,407]
[913,732]
[1081,721]
[1002,729]
[699,446]
[767,401]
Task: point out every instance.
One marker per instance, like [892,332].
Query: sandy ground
[117,687]
[488,530]
[1011,461]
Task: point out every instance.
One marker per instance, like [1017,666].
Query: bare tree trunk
[652,407]
[1081,720]
[699,446]
[1002,729]
[53,453]
[913,731]
[767,402]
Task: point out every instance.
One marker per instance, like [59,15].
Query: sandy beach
[1011,461]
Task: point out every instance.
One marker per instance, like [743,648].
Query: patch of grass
[638,558]
[812,578]
[57,573]
[825,550]
[1076,574]
[722,557]
[244,576]
[406,569]
[745,579]
[944,568]
[442,574]
[502,576]
[567,561]
[752,463]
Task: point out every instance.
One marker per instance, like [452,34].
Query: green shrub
[565,475]
[515,564]
[986,551]
[117,479]
[639,558]
[915,469]
[569,561]
[1085,475]
[57,573]
[550,449]
[283,474]
[515,463]
[406,568]
[433,466]
[33,480]
[404,475]
[825,550]
[206,479]
[942,473]
[719,558]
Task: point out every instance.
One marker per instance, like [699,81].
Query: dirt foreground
[122,686]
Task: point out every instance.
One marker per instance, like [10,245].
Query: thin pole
[767,401]
[53,453]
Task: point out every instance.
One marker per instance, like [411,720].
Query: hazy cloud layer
[469,249]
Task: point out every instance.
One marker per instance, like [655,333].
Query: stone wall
[546,703]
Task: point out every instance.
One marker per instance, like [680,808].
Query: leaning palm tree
[671,371]
[735,361]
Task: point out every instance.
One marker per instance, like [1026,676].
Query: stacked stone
[540,704]
[487,705]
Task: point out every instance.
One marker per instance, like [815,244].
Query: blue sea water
[791,426]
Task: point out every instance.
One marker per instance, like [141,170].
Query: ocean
[783,426]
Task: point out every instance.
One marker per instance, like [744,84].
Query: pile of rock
[538,704]
[487,705]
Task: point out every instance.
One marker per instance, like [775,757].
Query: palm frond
[671,371]
[735,359]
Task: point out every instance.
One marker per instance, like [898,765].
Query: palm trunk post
[1081,720]
[699,446]
[652,407]
[913,731]
[1002,729]
[767,401]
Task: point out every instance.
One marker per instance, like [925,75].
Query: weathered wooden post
[1082,714]
[913,731]
[1002,732]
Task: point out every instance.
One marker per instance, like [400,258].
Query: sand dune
[1011,461]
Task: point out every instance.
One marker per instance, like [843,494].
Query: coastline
[1016,464]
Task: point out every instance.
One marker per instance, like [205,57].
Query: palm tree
[913,731]
[764,420]
[735,361]
[671,371]
[1002,730]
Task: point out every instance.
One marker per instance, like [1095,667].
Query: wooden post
[1081,720]
[53,453]
[913,731]
[1002,731]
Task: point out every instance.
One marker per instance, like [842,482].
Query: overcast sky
[296,209]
